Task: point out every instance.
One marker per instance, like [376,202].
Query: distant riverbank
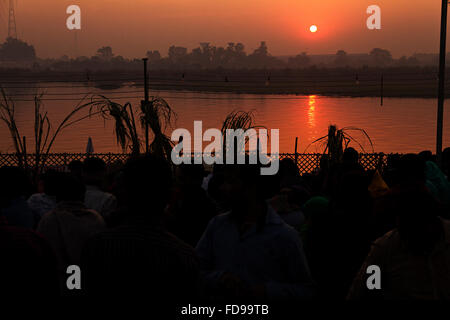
[343,89]
[332,82]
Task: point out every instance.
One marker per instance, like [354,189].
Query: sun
[313,28]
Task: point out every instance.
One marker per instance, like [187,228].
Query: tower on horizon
[12,30]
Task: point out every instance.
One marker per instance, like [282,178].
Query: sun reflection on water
[312,110]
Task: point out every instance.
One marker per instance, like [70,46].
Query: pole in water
[382,90]
[145,78]
[146,101]
[441,92]
[268,81]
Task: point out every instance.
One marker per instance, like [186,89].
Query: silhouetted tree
[260,58]
[105,53]
[207,53]
[380,57]
[262,50]
[407,61]
[153,56]
[299,61]
[341,58]
[16,50]
[234,55]
[177,55]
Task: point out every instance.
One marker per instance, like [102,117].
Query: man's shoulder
[446,226]
[278,226]
[20,237]
[142,236]
[49,215]
[221,218]
[445,223]
[94,215]
[142,247]
[389,239]
[286,233]
[96,192]
[18,231]
[179,245]
[36,197]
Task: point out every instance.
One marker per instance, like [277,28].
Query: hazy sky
[132,27]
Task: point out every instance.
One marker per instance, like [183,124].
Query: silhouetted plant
[337,140]
[43,136]
[123,116]
[156,114]
[238,119]
[7,114]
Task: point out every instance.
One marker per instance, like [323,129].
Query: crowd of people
[230,234]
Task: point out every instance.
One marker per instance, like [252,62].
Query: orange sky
[132,27]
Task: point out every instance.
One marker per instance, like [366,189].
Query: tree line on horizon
[207,56]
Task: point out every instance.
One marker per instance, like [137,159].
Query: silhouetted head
[94,170]
[446,155]
[14,183]
[416,211]
[76,168]
[189,175]
[288,174]
[446,161]
[324,163]
[215,184]
[288,168]
[69,188]
[411,170]
[51,182]
[146,184]
[352,190]
[350,156]
[242,184]
[426,155]
[393,161]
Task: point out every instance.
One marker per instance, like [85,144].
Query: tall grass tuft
[337,140]
[156,115]
[123,116]
[238,119]
[8,116]
[44,135]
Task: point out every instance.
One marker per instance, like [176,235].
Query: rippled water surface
[400,125]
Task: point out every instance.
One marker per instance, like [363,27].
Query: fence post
[25,152]
[380,165]
[296,153]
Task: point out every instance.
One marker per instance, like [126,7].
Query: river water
[400,125]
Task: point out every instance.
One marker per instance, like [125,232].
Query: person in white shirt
[94,170]
[69,225]
[45,200]
[249,252]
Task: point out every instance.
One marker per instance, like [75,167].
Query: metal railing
[307,163]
